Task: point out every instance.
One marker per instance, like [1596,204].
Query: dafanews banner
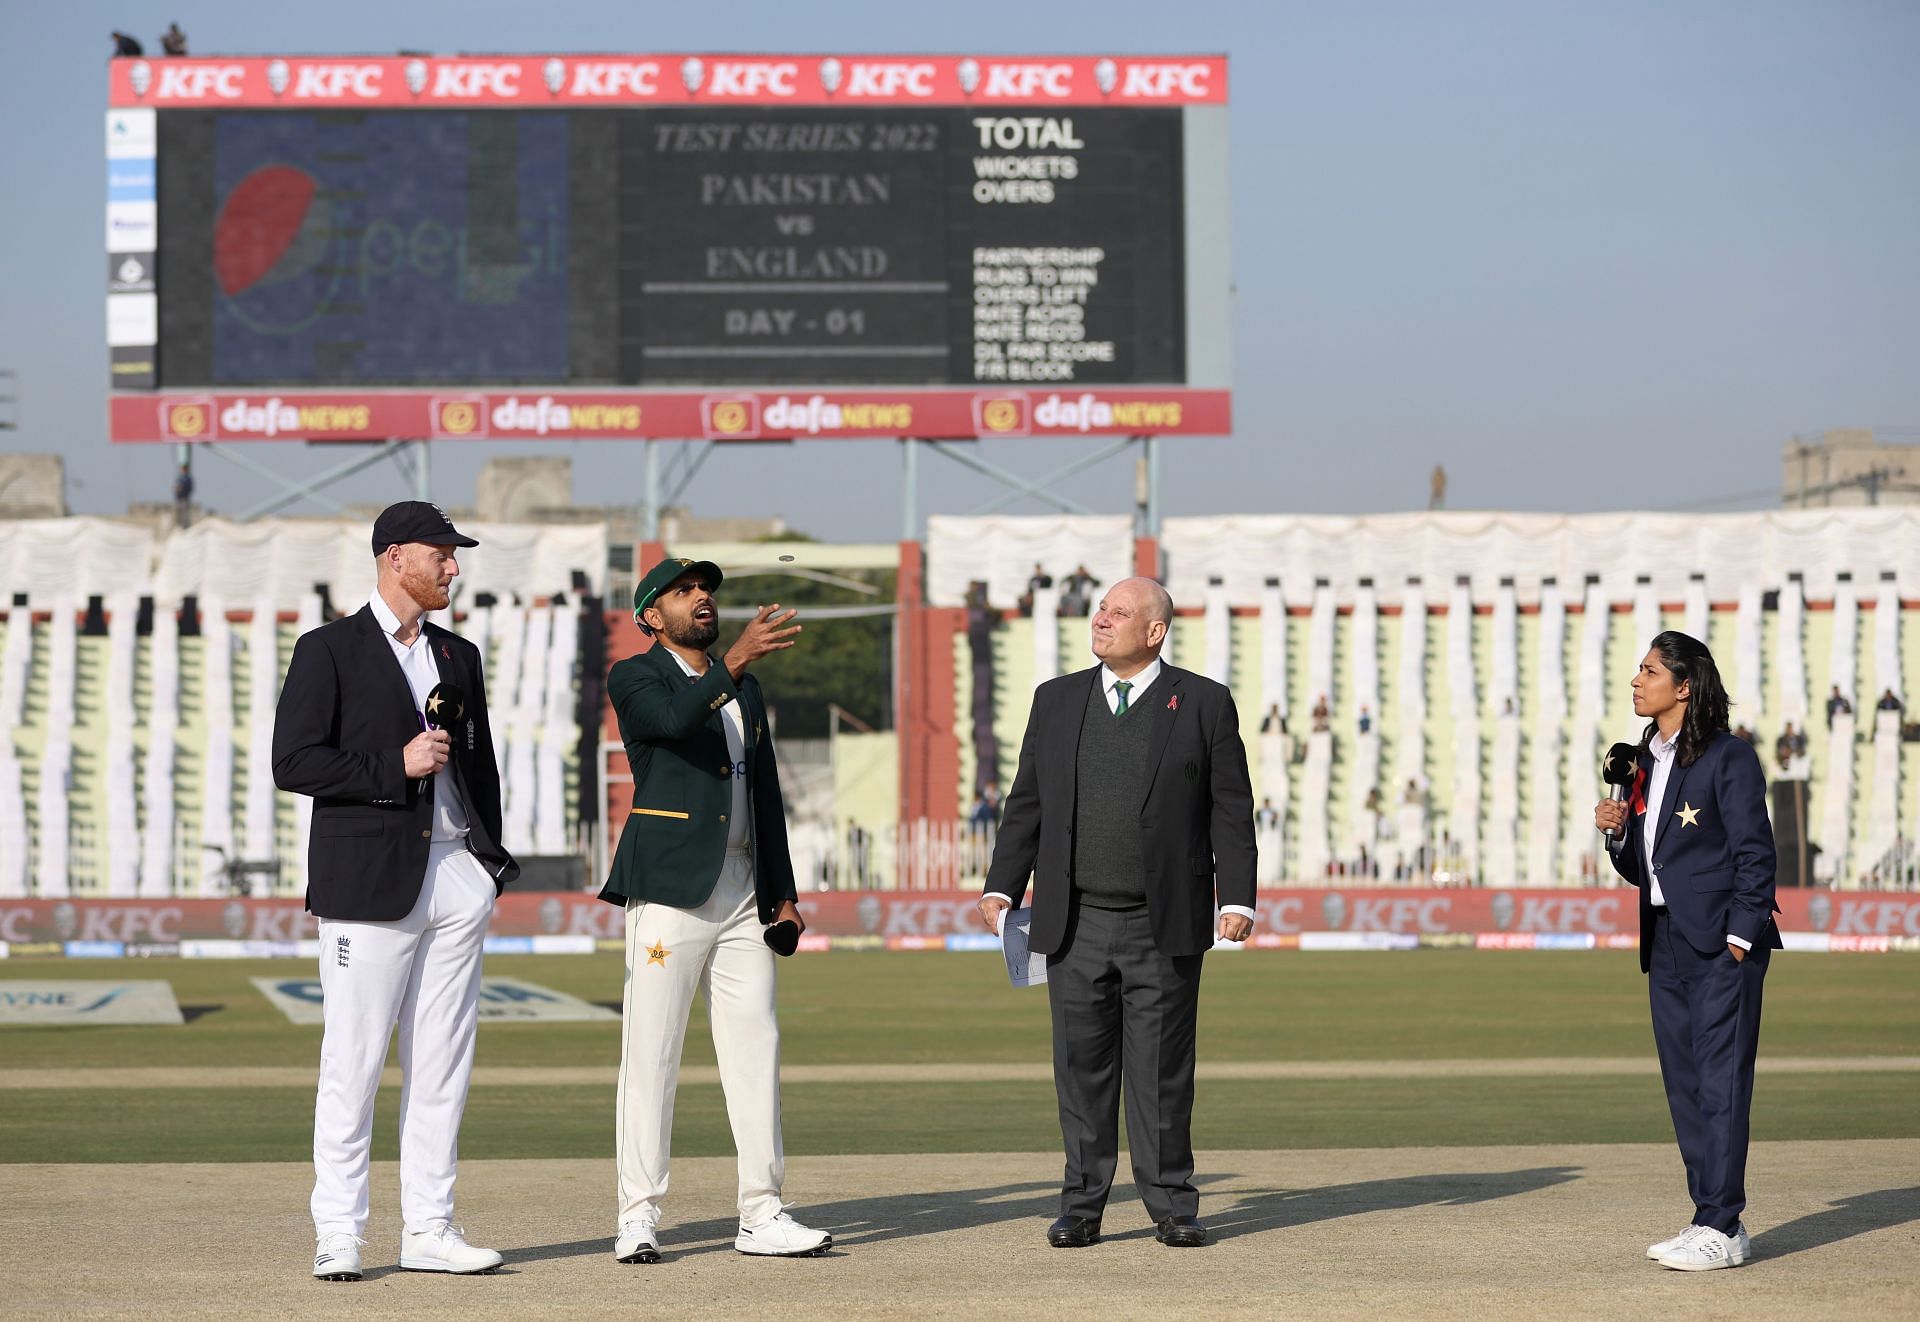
[64,1002]
[502,1000]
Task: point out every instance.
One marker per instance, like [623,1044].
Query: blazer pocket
[1713,879]
[346,826]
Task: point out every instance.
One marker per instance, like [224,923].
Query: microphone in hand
[1617,769]
[783,937]
[446,708]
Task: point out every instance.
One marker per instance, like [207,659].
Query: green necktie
[1120,686]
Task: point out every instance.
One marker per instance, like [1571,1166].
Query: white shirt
[1141,682]
[736,728]
[417,664]
[1662,749]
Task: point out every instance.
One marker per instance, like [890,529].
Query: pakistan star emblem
[1688,815]
[433,704]
[657,954]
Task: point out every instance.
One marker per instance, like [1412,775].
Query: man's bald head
[1130,625]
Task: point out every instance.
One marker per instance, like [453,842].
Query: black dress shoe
[1181,1232]
[1073,1232]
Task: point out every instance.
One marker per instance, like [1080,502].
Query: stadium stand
[138,762]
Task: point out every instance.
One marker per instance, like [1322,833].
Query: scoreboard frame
[1027,89]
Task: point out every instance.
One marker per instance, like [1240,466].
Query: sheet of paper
[1024,967]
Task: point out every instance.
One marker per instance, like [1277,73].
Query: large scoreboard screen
[664,235]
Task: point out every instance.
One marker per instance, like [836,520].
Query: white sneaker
[442,1248]
[638,1241]
[1666,1246]
[782,1237]
[337,1257]
[1708,1250]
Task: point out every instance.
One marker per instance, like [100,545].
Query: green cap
[665,574]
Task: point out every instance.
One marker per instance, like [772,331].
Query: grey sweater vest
[1110,782]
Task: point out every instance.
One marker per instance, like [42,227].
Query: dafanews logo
[1090,413]
[784,415]
[1001,415]
[187,419]
[730,417]
[459,416]
[546,415]
[276,417]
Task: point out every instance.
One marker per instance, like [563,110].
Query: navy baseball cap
[416,521]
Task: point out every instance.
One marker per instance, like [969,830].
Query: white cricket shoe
[1666,1246]
[782,1237]
[442,1248]
[1709,1249]
[337,1257]
[638,1241]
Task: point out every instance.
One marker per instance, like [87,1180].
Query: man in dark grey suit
[1130,808]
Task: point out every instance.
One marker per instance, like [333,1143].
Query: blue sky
[1588,256]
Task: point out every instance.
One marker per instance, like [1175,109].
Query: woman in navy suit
[1700,848]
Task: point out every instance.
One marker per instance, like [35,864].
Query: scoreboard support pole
[409,456]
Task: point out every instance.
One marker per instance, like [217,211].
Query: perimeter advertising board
[675,246]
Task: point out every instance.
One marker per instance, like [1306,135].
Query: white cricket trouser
[719,950]
[424,972]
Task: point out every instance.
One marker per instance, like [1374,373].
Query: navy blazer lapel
[1670,801]
[1164,715]
[384,663]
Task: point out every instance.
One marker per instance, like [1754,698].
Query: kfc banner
[1849,920]
[527,81]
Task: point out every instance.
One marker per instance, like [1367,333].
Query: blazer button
[723,817]
[426,835]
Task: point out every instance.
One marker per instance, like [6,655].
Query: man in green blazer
[703,871]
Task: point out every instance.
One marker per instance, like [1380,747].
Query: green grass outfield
[925,1008]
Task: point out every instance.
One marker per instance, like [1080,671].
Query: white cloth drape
[56,759]
[1588,735]
[216,774]
[1218,624]
[1046,634]
[1463,808]
[263,667]
[163,724]
[1547,743]
[1886,639]
[1364,779]
[1747,685]
[558,735]
[123,814]
[1274,680]
[1410,755]
[1790,655]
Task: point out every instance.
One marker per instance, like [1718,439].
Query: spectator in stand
[1792,743]
[1742,732]
[1273,722]
[986,807]
[1077,592]
[126,47]
[1888,702]
[1322,716]
[1366,719]
[1268,817]
[173,41]
[1837,705]
[1035,581]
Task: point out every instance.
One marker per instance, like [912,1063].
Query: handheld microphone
[783,937]
[446,708]
[1618,769]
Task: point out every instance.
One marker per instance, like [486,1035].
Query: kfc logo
[737,78]
[1163,82]
[608,78]
[1027,82]
[472,82]
[888,79]
[335,82]
[201,82]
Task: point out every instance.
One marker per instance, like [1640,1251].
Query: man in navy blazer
[1695,838]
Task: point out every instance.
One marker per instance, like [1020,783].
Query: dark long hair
[1689,662]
